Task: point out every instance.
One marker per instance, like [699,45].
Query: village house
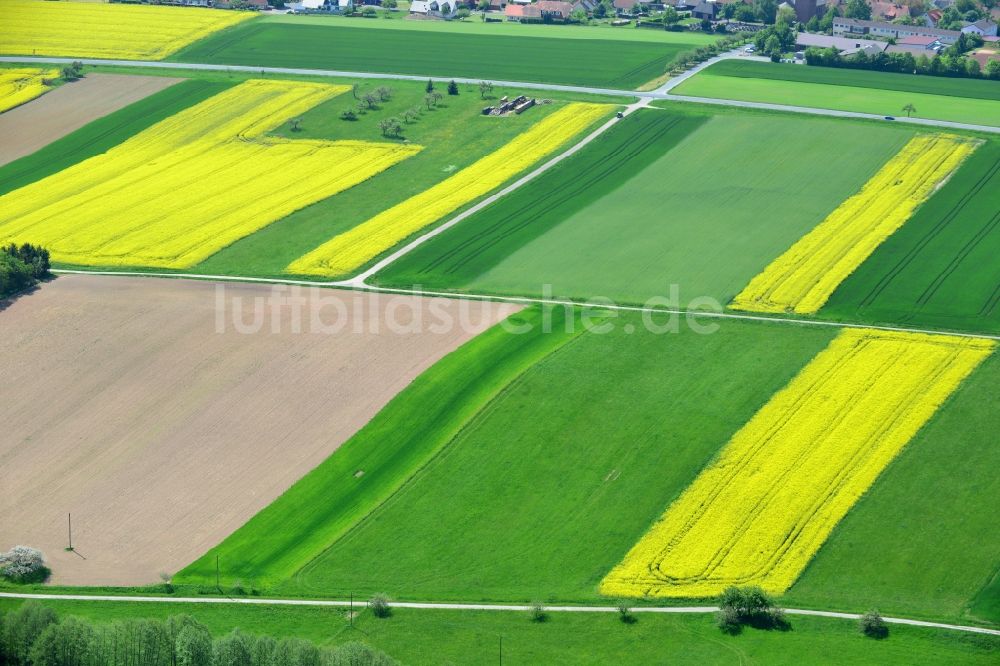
[848,26]
[443,9]
[518,12]
[983,28]
[625,7]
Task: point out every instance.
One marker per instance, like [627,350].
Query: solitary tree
[295,124]
[452,87]
[872,625]
[23,564]
[379,605]
[430,86]
[485,89]
[909,108]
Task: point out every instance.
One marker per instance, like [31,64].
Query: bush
[22,564]
[348,114]
[538,613]
[728,620]
[872,625]
[379,605]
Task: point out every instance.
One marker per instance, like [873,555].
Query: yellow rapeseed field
[803,278]
[352,249]
[762,509]
[91,30]
[21,85]
[192,184]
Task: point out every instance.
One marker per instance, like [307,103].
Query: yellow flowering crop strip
[803,278]
[98,30]
[21,85]
[192,184]
[352,249]
[762,509]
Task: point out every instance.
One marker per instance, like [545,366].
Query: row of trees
[687,59]
[942,65]
[21,267]
[33,635]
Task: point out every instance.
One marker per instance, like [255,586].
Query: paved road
[653,94]
[257,601]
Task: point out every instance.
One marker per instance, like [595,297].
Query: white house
[982,27]
[332,6]
[440,8]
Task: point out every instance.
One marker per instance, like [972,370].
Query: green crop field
[958,100]
[474,637]
[555,479]
[923,541]
[704,203]
[475,26]
[612,63]
[940,268]
[404,436]
[107,132]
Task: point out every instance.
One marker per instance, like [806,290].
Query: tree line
[21,267]
[943,65]
[34,635]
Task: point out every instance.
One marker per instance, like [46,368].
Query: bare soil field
[165,413]
[31,126]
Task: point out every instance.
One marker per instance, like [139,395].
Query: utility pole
[501,650]
[351,613]
[217,584]
[69,522]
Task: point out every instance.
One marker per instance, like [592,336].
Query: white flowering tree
[23,564]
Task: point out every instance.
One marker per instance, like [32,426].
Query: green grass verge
[704,205]
[407,433]
[940,268]
[104,133]
[554,481]
[923,541]
[873,92]
[453,135]
[474,637]
[610,63]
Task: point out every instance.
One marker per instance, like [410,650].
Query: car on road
[890,118]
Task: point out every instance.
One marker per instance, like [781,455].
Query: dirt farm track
[140,408]
[31,126]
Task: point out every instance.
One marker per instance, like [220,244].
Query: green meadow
[970,101]
[434,637]
[703,202]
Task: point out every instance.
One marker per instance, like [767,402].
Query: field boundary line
[530,300]
[653,94]
[339,603]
